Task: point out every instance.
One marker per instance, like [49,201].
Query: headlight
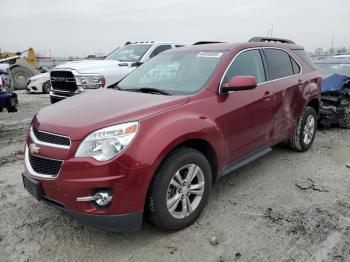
[106,143]
[91,81]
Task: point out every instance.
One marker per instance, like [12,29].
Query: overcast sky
[82,27]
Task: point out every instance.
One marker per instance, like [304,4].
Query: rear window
[305,57]
[279,63]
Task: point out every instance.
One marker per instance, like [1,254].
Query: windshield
[330,69]
[129,53]
[178,73]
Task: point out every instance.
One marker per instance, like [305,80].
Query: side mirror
[138,63]
[238,83]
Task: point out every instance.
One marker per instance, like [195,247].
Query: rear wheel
[179,190]
[305,132]
[20,76]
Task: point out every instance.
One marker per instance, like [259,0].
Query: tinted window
[128,53]
[160,49]
[296,67]
[248,63]
[279,63]
[303,55]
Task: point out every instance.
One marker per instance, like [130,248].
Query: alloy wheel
[309,129]
[185,191]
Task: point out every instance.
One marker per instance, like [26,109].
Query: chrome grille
[63,81]
[51,138]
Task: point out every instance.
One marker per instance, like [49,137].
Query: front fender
[155,141]
[171,131]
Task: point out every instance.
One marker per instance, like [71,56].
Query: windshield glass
[179,73]
[330,69]
[129,53]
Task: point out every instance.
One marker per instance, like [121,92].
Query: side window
[248,63]
[159,49]
[279,63]
[296,67]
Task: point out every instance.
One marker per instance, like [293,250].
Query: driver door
[247,115]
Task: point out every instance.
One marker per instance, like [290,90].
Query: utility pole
[270,31]
[333,33]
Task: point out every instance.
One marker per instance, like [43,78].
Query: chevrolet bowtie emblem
[33,149]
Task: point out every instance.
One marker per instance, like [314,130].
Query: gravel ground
[285,206]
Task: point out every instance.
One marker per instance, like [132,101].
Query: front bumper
[79,177]
[114,223]
[56,96]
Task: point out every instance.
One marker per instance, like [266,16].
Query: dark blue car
[335,89]
[8,99]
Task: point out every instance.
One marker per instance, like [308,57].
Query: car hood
[79,115]
[112,70]
[40,76]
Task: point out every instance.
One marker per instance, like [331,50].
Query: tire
[162,192]
[46,87]
[345,122]
[298,141]
[20,76]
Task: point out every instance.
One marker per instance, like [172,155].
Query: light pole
[333,33]
[270,31]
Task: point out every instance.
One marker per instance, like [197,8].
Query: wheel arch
[199,144]
[315,104]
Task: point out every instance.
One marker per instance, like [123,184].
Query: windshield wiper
[149,90]
[142,89]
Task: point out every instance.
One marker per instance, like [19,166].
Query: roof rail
[207,42]
[271,39]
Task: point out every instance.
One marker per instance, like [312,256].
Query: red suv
[153,145]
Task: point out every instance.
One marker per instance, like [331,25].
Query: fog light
[101,198]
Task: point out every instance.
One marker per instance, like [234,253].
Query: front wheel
[46,87]
[179,190]
[305,132]
[20,76]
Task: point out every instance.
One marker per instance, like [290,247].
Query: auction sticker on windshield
[209,54]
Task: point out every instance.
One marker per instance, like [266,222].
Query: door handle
[267,94]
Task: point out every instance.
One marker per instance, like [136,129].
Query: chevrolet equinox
[153,144]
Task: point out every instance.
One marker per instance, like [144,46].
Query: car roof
[155,42]
[231,46]
[332,61]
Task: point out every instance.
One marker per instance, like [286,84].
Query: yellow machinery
[22,67]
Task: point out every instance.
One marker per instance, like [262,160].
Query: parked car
[8,99]
[335,88]
[39,83]
[78,76]
[153,145]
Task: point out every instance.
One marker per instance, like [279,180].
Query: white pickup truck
[78,76]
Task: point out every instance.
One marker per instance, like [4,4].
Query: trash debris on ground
[214,241]
[310,184]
